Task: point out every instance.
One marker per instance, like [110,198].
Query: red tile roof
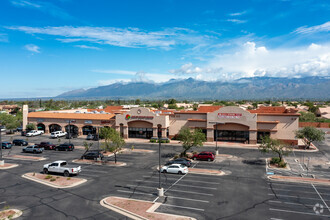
[273,110]
[70,115]
[207,109]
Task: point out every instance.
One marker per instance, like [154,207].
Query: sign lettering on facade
[105,122]
[40,120]
[88,122]
[229,115]
[136,117]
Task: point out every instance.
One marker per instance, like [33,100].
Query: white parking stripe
[197,193]
[274,189]
[147,181]
[302,185]
[192,181]
[195,200]
[182,207]
[94,171]
[148,194]
[303,213]
[321,197]
[298,197]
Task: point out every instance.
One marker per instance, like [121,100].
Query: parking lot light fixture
[160,190]
[1,161]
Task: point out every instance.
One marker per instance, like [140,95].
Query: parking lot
[245,193]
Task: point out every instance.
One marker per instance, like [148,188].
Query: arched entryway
[140,129]
[72,130]
[88,130]
[54,127]
[41,127]
[232,132]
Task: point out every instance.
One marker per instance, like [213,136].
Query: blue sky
[50,47]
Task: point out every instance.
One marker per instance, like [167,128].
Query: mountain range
[256,88]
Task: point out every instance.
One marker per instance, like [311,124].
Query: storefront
[142,123]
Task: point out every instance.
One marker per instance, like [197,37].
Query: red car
[47,145]
[209,156]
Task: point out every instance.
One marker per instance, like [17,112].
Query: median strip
[299,179]
[138,209]
[99,162]
[6,166]
[22,157]
[54,181]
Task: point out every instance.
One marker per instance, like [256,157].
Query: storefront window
[140,133]
[235,136]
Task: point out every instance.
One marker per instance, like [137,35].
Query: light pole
[1,161]
[160,189]
[69,131]
[216,138]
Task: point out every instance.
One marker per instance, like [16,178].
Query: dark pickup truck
[65,147]
[47,145]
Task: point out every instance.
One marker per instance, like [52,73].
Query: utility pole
[216,138]
[69,131]
[1,161]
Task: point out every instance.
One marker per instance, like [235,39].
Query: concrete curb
[29,159]
[209,174]
[121,211]
[12,166]
[135,216]
[51,184]
[275,168]
[17,214]
[299,180]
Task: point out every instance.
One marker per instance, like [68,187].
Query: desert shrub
[53,179]
[176,156]
[48,177]
[153,140]
[69,178]
[282,164]
[275,160]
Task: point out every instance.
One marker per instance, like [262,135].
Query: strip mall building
[226,123]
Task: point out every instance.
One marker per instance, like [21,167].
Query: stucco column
[164,131]
[154,132]
[125,131]
[210,135]
[253,137]
[80,131]
[25,116]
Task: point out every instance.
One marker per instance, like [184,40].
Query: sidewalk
[300,179]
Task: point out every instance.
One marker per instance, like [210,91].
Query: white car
[175,168]
[57,134]
[34,133]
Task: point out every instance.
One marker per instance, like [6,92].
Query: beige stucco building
[218,123]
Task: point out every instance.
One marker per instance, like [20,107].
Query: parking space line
[197,193]
[298,197]
[147,181]
[148,194]
[167,178]
[296,212]
[301,185]
[274,189]
[182,207]
[276,219]
[174,183]
[321,197]
[96,171]
[195,200]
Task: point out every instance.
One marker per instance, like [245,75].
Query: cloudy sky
[50,47]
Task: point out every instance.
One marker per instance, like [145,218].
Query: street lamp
[216,136]
[1,161]
[160,189]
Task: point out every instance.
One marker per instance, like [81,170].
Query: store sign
[105,122]
[88,122]
[70,121]
[40,120]
[140,117]
[230,115]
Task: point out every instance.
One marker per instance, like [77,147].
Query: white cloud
[250,61]
[32,48]
[237,21]
[314,29]
[24,3]
[122,72]
[88,47]
[123,37]
[237,13]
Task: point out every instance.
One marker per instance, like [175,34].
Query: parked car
[2,128]
[6,145]
[71,135]
[34,133]
[93,137]
[65,147]
[174,168]
[182,161]
[33,149]
[23,133]
[19,129]
[92,155]
[20,142]
[61,166]
[57,134]
[204,155]
[47,145]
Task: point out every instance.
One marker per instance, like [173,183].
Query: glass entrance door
[234,136]
[145,133]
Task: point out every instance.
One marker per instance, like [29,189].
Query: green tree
[9,121]
[113,141]
[311,134]
[195,106]
[137,102]
[255,105]
[87,146]
[172,106]
[307,117]
[190,139]
[30,127]
[275,146]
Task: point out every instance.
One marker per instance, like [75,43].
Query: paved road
[245,193]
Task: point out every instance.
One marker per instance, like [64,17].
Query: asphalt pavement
[245,193]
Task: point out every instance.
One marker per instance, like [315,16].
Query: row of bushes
[157,141]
